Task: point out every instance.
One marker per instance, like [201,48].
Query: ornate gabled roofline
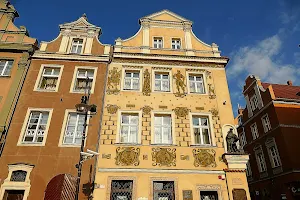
[75,25]
[9,8]
[165,11]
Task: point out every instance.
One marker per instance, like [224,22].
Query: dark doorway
[13,195]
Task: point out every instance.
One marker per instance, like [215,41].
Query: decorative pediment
[166,15]
[80,25]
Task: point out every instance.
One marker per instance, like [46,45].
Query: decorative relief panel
[214,112]
[204,157]
[127,156]
[239,194]
[181,111]
[163,157]
[112,109]
[113,81]
[180,85]
[146,110]
[187,194]
[211,91]
[147,83]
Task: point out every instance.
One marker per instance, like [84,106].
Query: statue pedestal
[236,160]
[236,175]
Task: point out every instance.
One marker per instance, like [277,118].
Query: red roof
[284,91]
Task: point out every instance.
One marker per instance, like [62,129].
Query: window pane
[157,85]
[205,134]
[134,120]
[157,120]
[204,121]
[197,135]
[127,83]
[167,120]
[192,87]
[125,119]
[135,84]
[196,121]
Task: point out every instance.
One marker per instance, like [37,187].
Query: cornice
[178,63]
[100,58]
[222,60]
[17,46]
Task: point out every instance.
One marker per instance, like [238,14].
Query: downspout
[100,123]
[227,186]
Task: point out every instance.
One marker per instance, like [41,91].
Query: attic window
[298,94]
[77,46]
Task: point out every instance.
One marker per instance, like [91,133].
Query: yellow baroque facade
[167,113]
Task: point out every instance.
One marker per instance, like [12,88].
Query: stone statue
[231,140]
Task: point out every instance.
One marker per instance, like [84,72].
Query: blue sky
[261,37]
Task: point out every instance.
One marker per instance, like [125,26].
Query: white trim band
[171,171]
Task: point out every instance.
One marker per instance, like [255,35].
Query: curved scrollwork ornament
[112,109]
[146,110]
[204,157]
[127,156]
[163,157]
[181,111]
[113,81]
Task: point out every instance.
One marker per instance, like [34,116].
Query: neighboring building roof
[284,91]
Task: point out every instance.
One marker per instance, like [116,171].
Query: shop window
[209,195]
[121,190]
[163,190]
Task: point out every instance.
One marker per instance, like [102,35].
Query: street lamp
[85,109]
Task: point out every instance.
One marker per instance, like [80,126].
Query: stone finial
[84,16]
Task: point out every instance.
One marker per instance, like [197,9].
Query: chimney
[289,82]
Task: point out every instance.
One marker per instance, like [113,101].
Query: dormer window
[77,45]
[176,44]
[158,43]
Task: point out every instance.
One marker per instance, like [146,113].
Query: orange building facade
[43,142]
[16,48]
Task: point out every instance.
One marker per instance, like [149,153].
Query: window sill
[39,90]
[263,174]
[123,90]
[203,146]
[128,144]
[195,93]
[5,76]
[164,145]
[165,92]
[31,144]
[80,92]
[277,170]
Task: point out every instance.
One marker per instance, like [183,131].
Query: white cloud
[262,60]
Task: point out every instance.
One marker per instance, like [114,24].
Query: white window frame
[270,143]
[243,139]
[140,79]
[169,72]
[64,127]
[5,67]
[211,127]
[248,169]
[11,185]
[240,120]
[258,151]
[254,131]
[188,74]
[162,127]
[153,113]
[25,123]
[267,126]
[69,43]
[40,75]
[139,133]
[175,44]
[201,133]
[72,89]
[77,45]
[162,42]
[253,102]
